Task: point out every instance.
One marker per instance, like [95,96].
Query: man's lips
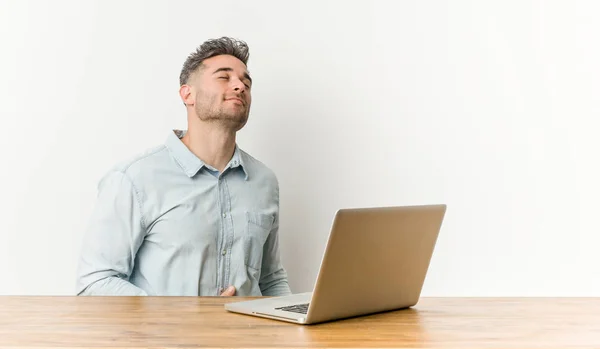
[236,99]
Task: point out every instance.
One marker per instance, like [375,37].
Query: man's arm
[273,279]
[114,235]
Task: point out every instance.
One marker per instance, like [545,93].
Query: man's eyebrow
[228,69]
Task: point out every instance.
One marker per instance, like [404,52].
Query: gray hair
[210,48]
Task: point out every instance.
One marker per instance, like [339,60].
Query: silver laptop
[375,260]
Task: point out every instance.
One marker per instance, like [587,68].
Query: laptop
[375,260]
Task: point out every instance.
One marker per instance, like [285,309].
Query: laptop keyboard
[298,308]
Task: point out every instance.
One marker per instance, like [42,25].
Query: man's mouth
[236,99]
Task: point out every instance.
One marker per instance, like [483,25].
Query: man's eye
[223,77]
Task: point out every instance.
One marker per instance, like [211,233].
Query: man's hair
[211,48]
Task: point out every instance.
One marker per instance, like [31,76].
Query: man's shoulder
[141,162]
[258,168]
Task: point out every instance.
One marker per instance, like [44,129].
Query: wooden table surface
[192,322]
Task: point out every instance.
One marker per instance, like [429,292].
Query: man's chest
[198,215]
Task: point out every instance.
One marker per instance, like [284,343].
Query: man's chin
[229,121]
[234,123]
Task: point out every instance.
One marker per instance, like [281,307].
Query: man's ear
[185,92]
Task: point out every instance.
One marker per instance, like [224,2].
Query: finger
[230,291]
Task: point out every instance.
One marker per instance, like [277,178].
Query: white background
[489,107]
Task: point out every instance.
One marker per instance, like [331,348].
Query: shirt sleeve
[273,280]
[114,234]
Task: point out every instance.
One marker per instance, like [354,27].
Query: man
[196,215]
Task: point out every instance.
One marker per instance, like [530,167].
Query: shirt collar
[190,163]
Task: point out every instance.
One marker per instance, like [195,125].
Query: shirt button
[224,252]
[224,215]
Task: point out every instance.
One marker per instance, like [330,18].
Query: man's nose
[239,86]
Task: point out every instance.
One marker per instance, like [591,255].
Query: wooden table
[190,322]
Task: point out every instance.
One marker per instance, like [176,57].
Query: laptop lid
[376,259]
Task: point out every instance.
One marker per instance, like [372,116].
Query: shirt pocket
[258,227]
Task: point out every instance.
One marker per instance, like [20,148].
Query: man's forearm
[112,286]
[281,288]
[275,284]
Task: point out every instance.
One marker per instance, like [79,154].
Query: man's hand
[230,291]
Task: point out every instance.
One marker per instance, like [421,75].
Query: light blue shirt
[166,223]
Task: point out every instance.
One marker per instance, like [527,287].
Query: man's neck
[212,144]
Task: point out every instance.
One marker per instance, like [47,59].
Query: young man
[196,215]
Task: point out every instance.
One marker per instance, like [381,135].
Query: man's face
[220,91]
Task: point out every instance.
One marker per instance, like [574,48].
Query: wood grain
[202,322]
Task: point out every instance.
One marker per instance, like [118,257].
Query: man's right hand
[230,291]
